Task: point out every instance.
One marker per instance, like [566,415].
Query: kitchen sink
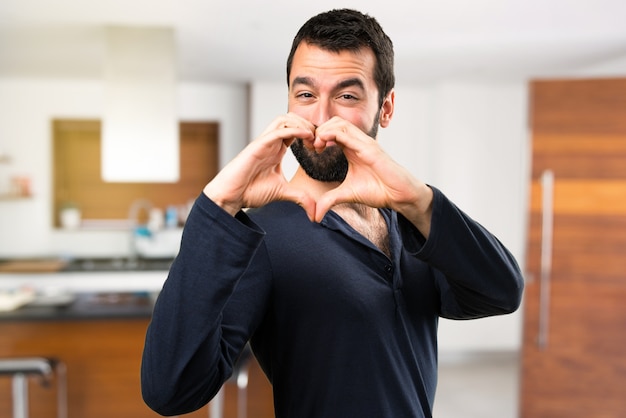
[118,264]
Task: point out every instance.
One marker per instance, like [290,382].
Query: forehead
[323,65]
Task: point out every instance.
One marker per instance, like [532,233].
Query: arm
[476,275]
[206,312]
[198,326]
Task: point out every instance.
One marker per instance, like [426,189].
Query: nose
[323,111]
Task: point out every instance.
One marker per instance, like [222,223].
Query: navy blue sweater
[340,329]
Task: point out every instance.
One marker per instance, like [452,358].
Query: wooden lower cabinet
[103,360]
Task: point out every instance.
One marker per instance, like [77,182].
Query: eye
[347,97]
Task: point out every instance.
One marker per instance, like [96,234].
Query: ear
[386,110]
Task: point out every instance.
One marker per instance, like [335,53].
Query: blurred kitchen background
[114,114]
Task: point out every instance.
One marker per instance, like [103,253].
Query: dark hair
[345,29]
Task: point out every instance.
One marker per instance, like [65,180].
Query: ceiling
[248,40]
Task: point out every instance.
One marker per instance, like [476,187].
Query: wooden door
[574,345]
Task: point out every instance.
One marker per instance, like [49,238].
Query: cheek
[362,116]
[301,111]
[360,119]
[304,112]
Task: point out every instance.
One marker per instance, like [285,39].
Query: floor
[477,385]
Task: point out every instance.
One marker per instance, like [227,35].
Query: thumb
[301,198]
[326,202]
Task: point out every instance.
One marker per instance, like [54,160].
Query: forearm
[480,277]
[418,209]
[183,363]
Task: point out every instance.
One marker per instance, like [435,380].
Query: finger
[340,132]
[328,200]
[294,126]
[289,134]
[289,121]
[319,144]
[325,136]
[297,120]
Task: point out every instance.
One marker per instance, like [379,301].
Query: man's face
[324,84]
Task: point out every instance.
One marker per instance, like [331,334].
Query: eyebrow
[350,82]
[306,81]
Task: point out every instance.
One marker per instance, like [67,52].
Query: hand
[373,177]
[255,177]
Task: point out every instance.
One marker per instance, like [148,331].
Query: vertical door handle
[547,218]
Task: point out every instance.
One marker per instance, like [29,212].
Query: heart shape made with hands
[305,189]
[372,177]
[255,176]
[317,196]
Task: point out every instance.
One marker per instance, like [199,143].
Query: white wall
[26,109]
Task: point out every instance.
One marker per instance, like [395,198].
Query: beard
[330,165]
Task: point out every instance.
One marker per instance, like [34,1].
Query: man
[338,277]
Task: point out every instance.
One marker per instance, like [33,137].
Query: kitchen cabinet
[99,336]
[102,359]
[573,362]
[102,355]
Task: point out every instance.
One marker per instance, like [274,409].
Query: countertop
[86,275]
[87,289]
[85,306]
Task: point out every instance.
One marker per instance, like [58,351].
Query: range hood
[140,139]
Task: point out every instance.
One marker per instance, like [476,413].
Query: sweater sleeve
[475,273]
[204,315]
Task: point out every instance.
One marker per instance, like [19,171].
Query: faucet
[133,222]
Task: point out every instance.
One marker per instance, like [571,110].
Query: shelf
[5,197]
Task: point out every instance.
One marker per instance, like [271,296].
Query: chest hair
[368,222]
